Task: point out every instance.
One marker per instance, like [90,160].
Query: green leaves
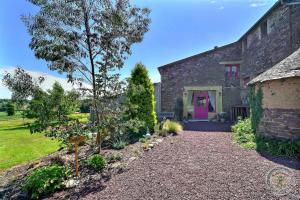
[45,180]
[141,94]
[244,136]
[96,162]
[255,106]
[51,108]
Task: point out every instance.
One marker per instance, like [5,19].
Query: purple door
[201,105]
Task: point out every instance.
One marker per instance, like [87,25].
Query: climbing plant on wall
[255,100]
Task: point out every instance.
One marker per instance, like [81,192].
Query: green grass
[17,145]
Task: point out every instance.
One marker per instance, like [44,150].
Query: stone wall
[272,39]
[295,26]
[201,70]
[266,48]
[280,123]
[281,108]
[157,95]
[281,93]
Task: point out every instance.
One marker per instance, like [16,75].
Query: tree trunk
[88,34]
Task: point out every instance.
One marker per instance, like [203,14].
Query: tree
[141,93]
[10,109]
[51,107]
[88,40]
[21,84]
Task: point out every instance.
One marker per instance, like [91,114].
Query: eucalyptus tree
[88,40]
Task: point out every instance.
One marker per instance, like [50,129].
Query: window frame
[230,66]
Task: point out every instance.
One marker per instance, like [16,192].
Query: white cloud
[47,84]
[221,8]
[213,1]
[257,4]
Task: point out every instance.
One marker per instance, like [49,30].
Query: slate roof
[288,67]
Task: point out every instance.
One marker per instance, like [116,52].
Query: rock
[118,168]
[19,196]
[106,175]
[155,143]
[71,183]
[96,177]
[151,145]
[132,159]
[159,140]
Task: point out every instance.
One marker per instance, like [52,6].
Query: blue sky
[179,28]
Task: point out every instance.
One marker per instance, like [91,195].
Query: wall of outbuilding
[281,108]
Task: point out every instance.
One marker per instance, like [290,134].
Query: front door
[201,105]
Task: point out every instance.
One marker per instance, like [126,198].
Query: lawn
[17,145]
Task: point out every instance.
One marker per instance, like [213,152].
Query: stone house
[208,83]
[157,95]
[281,98]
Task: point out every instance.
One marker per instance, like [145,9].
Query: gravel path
[197,165]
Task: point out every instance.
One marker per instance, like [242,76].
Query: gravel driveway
[197,165]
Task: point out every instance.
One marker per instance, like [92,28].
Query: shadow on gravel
[292,163]
[207,126]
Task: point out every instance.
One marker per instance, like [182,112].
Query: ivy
[255,106]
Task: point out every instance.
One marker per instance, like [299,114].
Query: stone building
[216,80]
[157,95]
[281,98]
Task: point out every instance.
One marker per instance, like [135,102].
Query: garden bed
[89,180]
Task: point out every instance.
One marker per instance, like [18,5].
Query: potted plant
[222,116]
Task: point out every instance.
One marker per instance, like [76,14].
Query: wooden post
[76,157]
[76,140]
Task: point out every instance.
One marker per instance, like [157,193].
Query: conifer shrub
[141,93]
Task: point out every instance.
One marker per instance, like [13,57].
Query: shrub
[141,93]
[96,162]
[245,137]
[172,126]
[45,180]
[278,147]
[157,128]
[114,157]
[163,133]
[10,109]
[243,134]
[143,140]
[119,144]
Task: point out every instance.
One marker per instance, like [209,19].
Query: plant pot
[222,120]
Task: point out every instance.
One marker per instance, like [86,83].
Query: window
[201,101]
[232,71]
[212,101]
[264,28]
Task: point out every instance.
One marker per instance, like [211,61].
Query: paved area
[207,126]
[198,165]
